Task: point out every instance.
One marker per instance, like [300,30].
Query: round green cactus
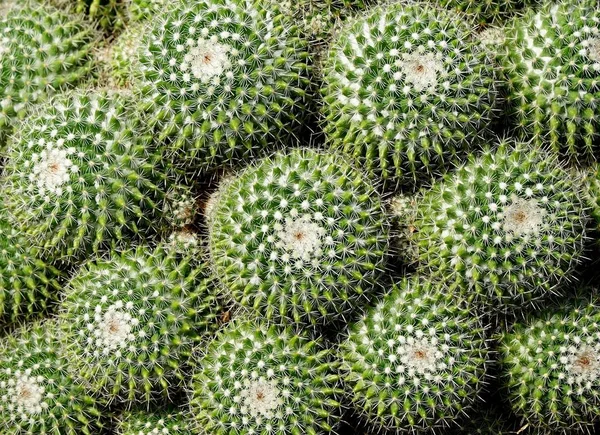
[507,228]
[42,51]
[223,80]
[144,423]
[299,237]
[82,174]
[551,61]
[27,283]
[407,89]
[551,367]
[37,393]
[416,361]
[488,11]
[128,323]
[256,379]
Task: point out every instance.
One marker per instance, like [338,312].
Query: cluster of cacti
[407,90]
[312,217]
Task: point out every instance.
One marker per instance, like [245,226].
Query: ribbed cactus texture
[256,379]
[551,60]
[83,174]
[223,79]
[42,51]
[488,11]
[507,228]
[299,237]
[407,90]
[27,283]
[38,395]
[551,368]
[416,361]
[129,322]
[163,423]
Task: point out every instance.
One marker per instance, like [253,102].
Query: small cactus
[551,368]
[128,323]
[83,175]
[299,237]
[42,51]
[407,90]
[552,70]
[255,378]
[507,228]
[38,395]
[416,361]
[222,80]
[144,423]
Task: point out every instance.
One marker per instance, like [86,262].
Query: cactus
[222,80]
[508,227]
[82,174]
[42,51]
[128,323]
[37,393]
[143,423]
[551,367]
[488,11]
[27,283]
[255,378]
[299,237]
[417,360]
[552,69]
[143,10]
[403,208]
[109,15]
[407,90]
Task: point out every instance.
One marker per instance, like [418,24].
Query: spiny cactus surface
[163,423]
[488,11]
[551,367]
[38,395]
[507,228]
[299,237]
[42,51]
[256,379]
[128,323]
[416,361]
[82,174]
[551,61]
[407,90]
[223,79]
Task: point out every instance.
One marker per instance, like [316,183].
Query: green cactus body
[551,368]
[507,228]
[82,175]
[142,10]
[415,362]
[42,51]
[258,379]
[27,283]
[591,177]
[116,60]
[129,322]
[488,11]
[551,61]
[407,89]
[164,423]
[300,237]
[223,80]
[37,393]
